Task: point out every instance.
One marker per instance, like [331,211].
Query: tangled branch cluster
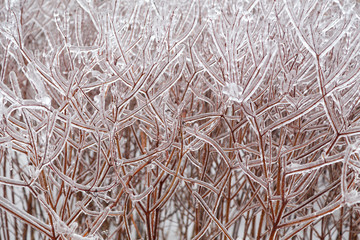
[179,119]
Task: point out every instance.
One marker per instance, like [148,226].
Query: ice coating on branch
[13,5]
[355,147]
[141,196]
[146,106]
[293,166]
[352,197]
[69,231]
[37,82]
[2,107]
[75,236]
[214,12]
[234,92]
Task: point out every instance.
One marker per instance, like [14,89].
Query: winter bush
[179,119]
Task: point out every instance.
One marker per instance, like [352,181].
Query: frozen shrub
[179,119]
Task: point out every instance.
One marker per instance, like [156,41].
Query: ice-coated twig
[208,211]
[23,216]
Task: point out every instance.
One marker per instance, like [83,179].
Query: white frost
[234,91]
[352,197]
